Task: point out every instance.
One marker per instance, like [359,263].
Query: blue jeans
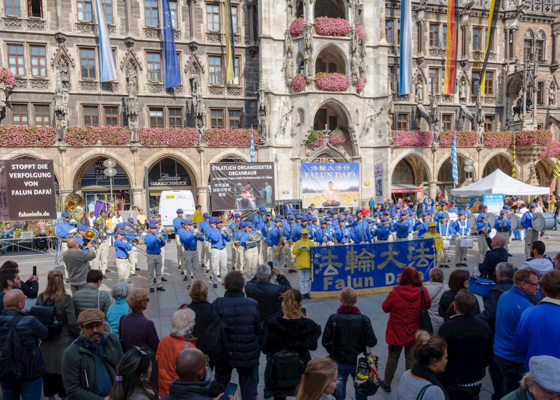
[28,390]
[343,371]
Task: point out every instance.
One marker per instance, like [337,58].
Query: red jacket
[403,306]
[169,348]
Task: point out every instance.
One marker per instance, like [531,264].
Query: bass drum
[543,222]
[492,219]
[472,220]
[515,220]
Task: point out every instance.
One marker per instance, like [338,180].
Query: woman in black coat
[293,332]
[203,312]
[459,279]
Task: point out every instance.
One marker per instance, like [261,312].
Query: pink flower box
[361,32]
[80,136]
[297,27]
[553,150]
[338,138]
[412,138]
[360,86]
[332,82]
[495,139]
[223,137]
[27,136]
[171,137]
[326,26]
[538,137]
[7,76]
[464,138]
[298,83]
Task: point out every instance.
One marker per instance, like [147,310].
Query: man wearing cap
[63,230]
[360,230]
[452,208]
[276,241]
[218,253]
[176,227]
[421,226]
[189,241]
[445,229]
[78,264]
[133,253]
[251,252]
[467,208]
[289,233]
[322,235]
[383,231]
[122,249]
[204,226]
[542,382]
[302,251]
[483,210]
[342,233]
[461,229]
[531,235]
[503,227]
[438,240]
[263,245]
[236,243]
[402,227]
[89,363]
[234,227]
[482,228]
[154,243]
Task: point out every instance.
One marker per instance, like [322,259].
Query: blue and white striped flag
[106,60]
[454,165]
[252,153]
[405,69]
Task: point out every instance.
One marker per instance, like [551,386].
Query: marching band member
[360,230]
[96,262]
[251,252]
[438,241]
[402,228]
[263,245]
[133,253]
[483,210]
[442,209]
[342,234]
[259,225]
[237,244]
[289,233]
[154,243]
[372,227]
[421,226]
[383,232]
[160,230]
[122,248]
[64,228]
[81,229]
[189,242]
[176,226]
[461,229]
[531,235]
[483,227]
[467,209]
[314,227]
[302,251]
[445,230]
[276,241]
[452,208]
[323,235]
[204,226]
[503,226]
[218,252]
[234,227]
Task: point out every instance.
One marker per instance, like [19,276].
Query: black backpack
[216,337]
[47,316]
[286,369]
[14,357]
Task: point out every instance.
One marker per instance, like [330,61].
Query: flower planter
[332,82]
[171,137]
[361,32]
[360,86]
[326,26]
[298,83]
[297,27]
[7,76]
[80,136]
[412,138]
[223,137]
[464,138]
[27,136]
[316,139]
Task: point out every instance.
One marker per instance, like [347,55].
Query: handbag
[425,320]
[367,378]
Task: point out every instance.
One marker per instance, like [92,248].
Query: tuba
[281,243]
[254,237]
[75,205]
[91,237]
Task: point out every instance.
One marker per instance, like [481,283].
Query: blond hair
[348,296]
[136,298]
[319,373]
[199,291]
[291,304]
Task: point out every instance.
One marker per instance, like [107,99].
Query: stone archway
[500,162]
[330,8]
[409,177]
[330,59]
[445,172]
[331,114]
[543,171]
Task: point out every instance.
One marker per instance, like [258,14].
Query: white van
[170,201]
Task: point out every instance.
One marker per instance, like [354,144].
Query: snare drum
[466,242]
[446,244]
[543,222]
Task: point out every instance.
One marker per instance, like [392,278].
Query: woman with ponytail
[319,381]
[422,382]
[293,332]
[133,374]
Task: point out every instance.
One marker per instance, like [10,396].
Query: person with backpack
[348,333]
[287,339]
[61,334]
[21,362]
[240,326]
[9,280]
[180,338]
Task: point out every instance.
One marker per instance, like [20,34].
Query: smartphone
[304,310]
[231,389]
[34,270]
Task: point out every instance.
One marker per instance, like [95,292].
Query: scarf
[423,371]
[348,310]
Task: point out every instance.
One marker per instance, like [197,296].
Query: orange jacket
[169,348]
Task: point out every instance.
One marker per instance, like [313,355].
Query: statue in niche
[463,90]
[288,69]
[131,80]
[289,44]
[2,96]
[63,69]
[60,107]
[552,95]
[355,68]
[434,118]
[419,90]
[480,119]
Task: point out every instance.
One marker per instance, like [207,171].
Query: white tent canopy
[500,183]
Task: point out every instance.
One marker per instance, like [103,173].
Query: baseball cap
[483,215]
[249,225]
[82,227]
[187,222]
[303,218]
[461,212]
[503,212]
[119,232]
[383,219]
[206,215]
[444,215]
[236,215]
[305,232]
[262,208]
[179,210]
[153,225]
[530,205]
[424,214]
[431,225]
[65,214]
[277,219]
[90,315]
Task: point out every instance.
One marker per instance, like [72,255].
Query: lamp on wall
[469,169]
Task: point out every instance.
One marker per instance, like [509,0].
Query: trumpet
[198,233]
[227,231]
[281,243]
[135,242]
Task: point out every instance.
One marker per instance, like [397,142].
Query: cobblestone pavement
[163,304]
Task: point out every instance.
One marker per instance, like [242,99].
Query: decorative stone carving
[463,89]
[13,23]
[237,38]
[213,37]
[434,118]
[110,87]
[437,52]
[234,91]
[489,99]
[155,87]
[288,64]
[419,90]
[36,24]
[216,90]
[85,27]
[447,98]
[63,68]
[4,93]
[371,115]
[152,33]
[480,118]
[39,84]
[308,55]
[131,79]
[21,83]
[287,110]
[60,106]
[177,34]
[263,111]
[89,86]
[112,29]
[196,93]
[552,95]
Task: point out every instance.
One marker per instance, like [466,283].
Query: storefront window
[167,174]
